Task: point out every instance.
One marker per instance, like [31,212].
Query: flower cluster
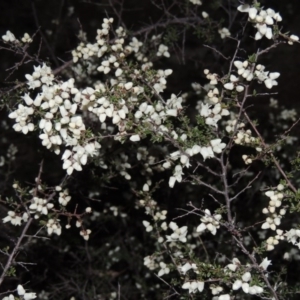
[60,125]
[22,294]
[247,71]
[193,286]
[188,266]
[85,234]
[244,69]
[40,207]
[150,263]
[233,84]
[215,146]
[15,218]
[22,117]
[274,219]
[264,21]
[60,105]
[244,284]
[269,79]
[73,118]
[9,37]
[209,222]
[292,236]
[272,241]
[53,226]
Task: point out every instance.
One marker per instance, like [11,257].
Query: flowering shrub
[143,190]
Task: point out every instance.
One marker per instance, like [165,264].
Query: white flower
[229,86]
[26,38]
[237,285]
[40,206]
[196,149]
[171,112]
[186,267]
[217,146]
[246,277]
[9,37]
[29,296]
[148,226]
[13,218]
[177,176]
[243,8]
[265,263]
[277,17]
[20,290]
[27,99]
[85,234]
[64,198]
[209,222]
[184,159]
[205,110]
[234,265]
[164,269]
[179,234]
[88,210]
[239,88]
[224,32]
[292,236]
[270,82]
[135,138]
[135,44]
[215,290]
[252,12]
[118,72]
[253,290]
[206,152]
[293,38]
[193,286]
[163,51]
[245,285]
[128,85]
[53,226]
[205,14]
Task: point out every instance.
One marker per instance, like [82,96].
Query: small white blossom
[85,234]
[207,152]
[164,269]
[9,37]
[186,267]
[135,138]
[193,286]
[13,218]
[265,263]
[209,222]
[177,176]
[224,32]
[179,234]
[148,226]
[163,51]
